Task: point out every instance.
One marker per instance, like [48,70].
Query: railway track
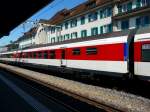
[31,89]
[135,86]
[95,96]
[44,91]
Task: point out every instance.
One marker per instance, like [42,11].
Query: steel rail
[101,105]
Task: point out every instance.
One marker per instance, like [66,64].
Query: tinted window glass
[34,55]
[125,24]
[91,51]
[40,55]
[146,52]
[76,51]
[45,54]
[52,55]
[94,31]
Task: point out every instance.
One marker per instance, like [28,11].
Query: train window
[7,55]
[39,54]
[52,54]
[30,54]
[76,51]
[10,55]
[146,52]
[91,51]
[45,54]
[34,55]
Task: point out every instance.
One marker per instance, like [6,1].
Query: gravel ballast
[117,99]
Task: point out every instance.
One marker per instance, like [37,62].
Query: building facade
[93,17]
[28,39]
[131,14]
[41,36]
[88,19]
[96,17]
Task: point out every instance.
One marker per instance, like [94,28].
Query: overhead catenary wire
[48,9]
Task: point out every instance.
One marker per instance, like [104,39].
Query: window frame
[83,33]
[35,54]
[82,20]
[145,60]
[76,51]
[93,17]
[90,50]
[66,25]
[125,24]
[52,54]
[73,23]
[94,31]
[45,52]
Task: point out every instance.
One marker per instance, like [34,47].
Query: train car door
[63,60]
[143,66]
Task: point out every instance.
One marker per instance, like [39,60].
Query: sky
[45,13]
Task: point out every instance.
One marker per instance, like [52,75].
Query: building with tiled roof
[94,17]
[28,38]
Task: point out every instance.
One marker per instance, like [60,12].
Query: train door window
[28,54]
[146,52]
[52,54]
[34,54]
[76,51]
[63,54]
[91,51]
[45,54]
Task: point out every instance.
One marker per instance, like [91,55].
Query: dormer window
[91,4]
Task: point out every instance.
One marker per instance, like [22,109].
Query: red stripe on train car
[112,52]
[137,51]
